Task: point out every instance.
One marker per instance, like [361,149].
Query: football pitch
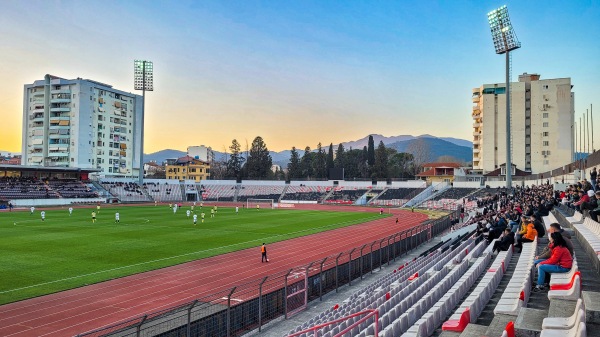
[63,252]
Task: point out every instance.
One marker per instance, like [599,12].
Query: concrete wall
[53,202]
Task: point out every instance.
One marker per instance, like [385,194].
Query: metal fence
[249,306]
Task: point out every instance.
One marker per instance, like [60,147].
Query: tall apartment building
[81,123]
[542,118]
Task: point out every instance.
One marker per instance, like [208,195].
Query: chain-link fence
[249,306]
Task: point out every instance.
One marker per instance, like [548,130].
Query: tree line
[379,163]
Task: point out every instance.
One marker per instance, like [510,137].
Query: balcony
[476,141]
[476,133]
[60,109]
[61,91]
[476,125]
[476,109]
[475,151]
[60,100]
[476,99]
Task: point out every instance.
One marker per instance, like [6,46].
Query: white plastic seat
[563,323]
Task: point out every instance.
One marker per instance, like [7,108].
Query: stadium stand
[454,193]
[306,193]
[345,195]
[260,192]
[125,191]
[70,188]
[164,192]
[25,188]
[211,192]
[396,196]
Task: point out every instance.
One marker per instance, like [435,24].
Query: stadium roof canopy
[26,168]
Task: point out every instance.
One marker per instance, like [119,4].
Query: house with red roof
[438,172]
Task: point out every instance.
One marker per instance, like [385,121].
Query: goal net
[260,203]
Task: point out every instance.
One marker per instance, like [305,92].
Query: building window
[545,87]
[545,124]
[545,115]
[545,143]
[545,134]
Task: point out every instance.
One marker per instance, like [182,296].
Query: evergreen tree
[330,163]
[259,160]
[294,171]
[236,160]
[320,163]
[339,157]
[371,152]
[380,169]
[306,164]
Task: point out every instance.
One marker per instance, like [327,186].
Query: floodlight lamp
[143,77]
[503,35]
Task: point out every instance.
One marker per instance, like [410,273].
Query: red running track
[82,309]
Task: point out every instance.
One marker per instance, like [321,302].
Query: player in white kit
[70,211]
[188,213]
[195,219]
[117,218]
[32,209]
[43,214]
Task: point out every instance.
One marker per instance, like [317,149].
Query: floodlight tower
[505,40]
[143,79]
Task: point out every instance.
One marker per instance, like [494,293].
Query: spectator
[508,239]
[560,260]
[528,235]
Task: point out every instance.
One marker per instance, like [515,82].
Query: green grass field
[65,252]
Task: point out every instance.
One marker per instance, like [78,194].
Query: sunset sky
[294,72]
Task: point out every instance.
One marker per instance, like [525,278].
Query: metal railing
[250,306]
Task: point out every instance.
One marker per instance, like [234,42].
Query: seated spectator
[560,260]
[528,235]
[595,211]
[547,251]
[508,238]
[583,197]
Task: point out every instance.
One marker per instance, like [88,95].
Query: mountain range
[458,148]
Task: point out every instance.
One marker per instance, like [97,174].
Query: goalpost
[262,203]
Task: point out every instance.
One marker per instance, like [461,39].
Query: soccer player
[43,214]
[117,220]
[155,203]
[32,209]
[98,209]
[188,213]
[174,208]
[195,219]
[257,207]
[212,213]
[194,204]
[215,208]
[192,209]
[93,217]
[201,204]
[202,216]
[170,206]
[237,209]
[70,211]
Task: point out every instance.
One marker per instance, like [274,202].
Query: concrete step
[474,330]
[591,302]
[529,322]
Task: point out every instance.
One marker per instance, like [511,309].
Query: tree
[419,148]
[320,163]
[339,157]
[259,161]
[306,163]
[449,159]
[294,171]
[380,167]
[400,164]
[236,161]
[330,163]
[371,152]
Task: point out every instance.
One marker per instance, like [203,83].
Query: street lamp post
[505,40]
[143,79]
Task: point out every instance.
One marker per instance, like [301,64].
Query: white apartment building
[542,119]
[81,123]
[204,153]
